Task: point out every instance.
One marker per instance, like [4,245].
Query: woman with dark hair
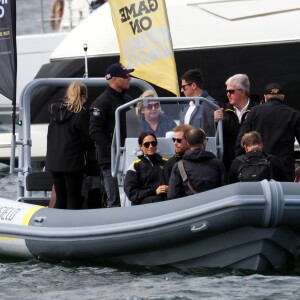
[67,142]
[144,180]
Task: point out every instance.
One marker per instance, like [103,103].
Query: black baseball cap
[116,70]
[273,89]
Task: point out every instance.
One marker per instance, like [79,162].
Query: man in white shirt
[201,116]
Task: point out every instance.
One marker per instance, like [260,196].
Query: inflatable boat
[245,225]
[253,226]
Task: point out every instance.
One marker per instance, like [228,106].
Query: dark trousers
[150,199]
[111,187]
[68,190]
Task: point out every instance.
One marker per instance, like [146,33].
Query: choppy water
[39,280]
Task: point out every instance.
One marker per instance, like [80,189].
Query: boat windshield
[160,115]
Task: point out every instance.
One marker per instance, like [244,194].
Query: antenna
[85,47]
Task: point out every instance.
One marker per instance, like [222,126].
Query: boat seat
[39,181]
[42,201]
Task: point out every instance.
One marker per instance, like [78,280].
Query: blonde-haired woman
[67,142]
[152,118]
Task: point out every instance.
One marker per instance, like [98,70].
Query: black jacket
[170,164]
[278,170]
[143,177]
[102,122]
[203,169]
[278,125]
[67,139]
[231,127]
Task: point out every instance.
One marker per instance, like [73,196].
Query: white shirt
[189,112]
[240,113]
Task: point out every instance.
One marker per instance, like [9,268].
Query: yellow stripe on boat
[29,214]
[7,238]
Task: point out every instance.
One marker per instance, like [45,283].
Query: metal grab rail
[116,149]
[24,162]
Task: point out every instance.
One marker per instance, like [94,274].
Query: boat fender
[274,202]
[197,227]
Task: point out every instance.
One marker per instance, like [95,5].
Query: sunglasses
[125,76]
[231,92]
[184,85]
[147,144]
[177,140]
[151,106]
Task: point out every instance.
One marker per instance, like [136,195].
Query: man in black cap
[278,125]
[102,124]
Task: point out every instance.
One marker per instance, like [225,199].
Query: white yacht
[260,38]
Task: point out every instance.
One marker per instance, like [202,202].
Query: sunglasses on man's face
[231,92]
[151,106]
[177,140]
[152,143]
[125,76]
[183,86]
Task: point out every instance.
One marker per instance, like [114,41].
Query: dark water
[39,280]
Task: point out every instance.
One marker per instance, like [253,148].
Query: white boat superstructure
[259,37]
[33,51]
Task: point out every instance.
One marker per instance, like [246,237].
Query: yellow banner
[145,41]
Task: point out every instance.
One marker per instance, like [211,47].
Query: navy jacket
[143,177]
[102,122]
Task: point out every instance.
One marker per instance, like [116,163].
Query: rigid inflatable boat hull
[244,225]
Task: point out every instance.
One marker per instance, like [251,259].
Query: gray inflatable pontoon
[245,225]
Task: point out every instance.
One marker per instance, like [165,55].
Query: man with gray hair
[198,171]
[234,113]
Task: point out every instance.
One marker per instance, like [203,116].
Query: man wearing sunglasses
[201,116]
[234,113]
[102,124]
[180,145]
